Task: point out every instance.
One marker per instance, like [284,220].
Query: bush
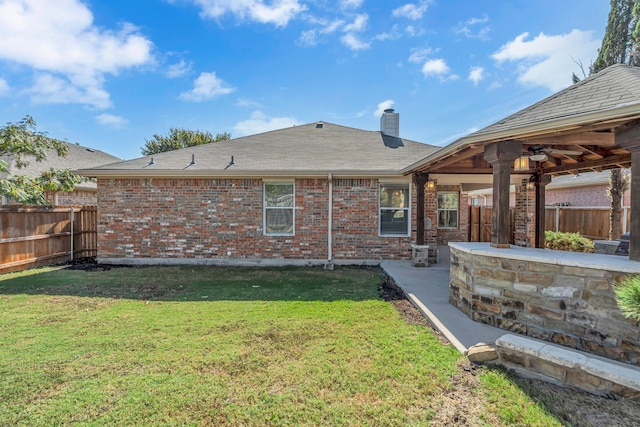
[562,241]
[628,297]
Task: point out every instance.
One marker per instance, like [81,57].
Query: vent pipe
[390,123]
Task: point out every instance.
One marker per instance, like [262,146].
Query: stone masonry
[567,305]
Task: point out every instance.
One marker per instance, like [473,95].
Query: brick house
[306,194]
[78,156]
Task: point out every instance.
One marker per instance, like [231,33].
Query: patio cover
[593,125]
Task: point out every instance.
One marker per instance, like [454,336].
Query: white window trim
[408,209]
[438,210]
[264,208]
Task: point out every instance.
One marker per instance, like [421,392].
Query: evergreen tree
[619,46]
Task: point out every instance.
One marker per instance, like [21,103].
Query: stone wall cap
[610,370]
[548,256]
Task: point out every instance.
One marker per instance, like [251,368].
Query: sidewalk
[428,290]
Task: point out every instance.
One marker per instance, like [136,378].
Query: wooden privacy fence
[40,236]
[591,222]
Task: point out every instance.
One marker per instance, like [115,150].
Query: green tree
[21,143]
[180,138]
[619,46]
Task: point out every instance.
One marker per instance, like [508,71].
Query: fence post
[72,212]
[557,218]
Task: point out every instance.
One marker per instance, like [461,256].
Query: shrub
[628,297]
[562,241]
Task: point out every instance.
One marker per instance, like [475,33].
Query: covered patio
[593,125]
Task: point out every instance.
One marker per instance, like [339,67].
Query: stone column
[629,139]
[501,156]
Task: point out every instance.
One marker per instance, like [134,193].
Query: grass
[224,346]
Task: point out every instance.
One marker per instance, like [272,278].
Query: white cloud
[278,13]
[179,69]
[353,42]
[476,74]
[387,103]
[351,4]
[307,38]
[205,87]
[469,28]
[435,67]
[412,11]
[549,60]
[260,122]
[420,55]
[49,89]
[413,31]
[248,103]
[393,34]
[59,40]
[111,120]
[4,87]
[358,24]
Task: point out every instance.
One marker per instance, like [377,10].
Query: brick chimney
[390,123]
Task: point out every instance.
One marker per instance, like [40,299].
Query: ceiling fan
[539,153]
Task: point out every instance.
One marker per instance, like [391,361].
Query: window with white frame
[448,204]
[394,209]
[279,208]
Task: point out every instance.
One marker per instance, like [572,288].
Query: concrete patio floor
[428,290]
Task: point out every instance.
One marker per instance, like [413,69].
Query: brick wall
[568,305]
[211,218]
[76,198]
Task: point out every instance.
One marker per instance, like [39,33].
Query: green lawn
[231,346]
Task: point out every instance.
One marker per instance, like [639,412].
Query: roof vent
[390,123]
[319,125]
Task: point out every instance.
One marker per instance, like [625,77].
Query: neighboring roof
[580,180]
[313,149]
[610,96]
[78,157]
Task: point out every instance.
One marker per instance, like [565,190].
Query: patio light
[521,164]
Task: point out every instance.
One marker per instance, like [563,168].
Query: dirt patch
[459,406]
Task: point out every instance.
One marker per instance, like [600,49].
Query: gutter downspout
[329,264]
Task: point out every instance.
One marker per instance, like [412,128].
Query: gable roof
[77,157]
[600,102]
[314,149]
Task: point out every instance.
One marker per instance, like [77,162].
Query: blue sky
[109,74]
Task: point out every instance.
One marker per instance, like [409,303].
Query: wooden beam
[583,138]
[629,137]
[457,157]
[607,161]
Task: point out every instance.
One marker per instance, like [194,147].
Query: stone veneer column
[501,156]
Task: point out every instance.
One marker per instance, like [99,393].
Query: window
[448,209]
[279,208]
[394,210]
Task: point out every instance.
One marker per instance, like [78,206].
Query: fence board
[38,236]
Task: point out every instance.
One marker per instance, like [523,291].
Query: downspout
[329,264]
